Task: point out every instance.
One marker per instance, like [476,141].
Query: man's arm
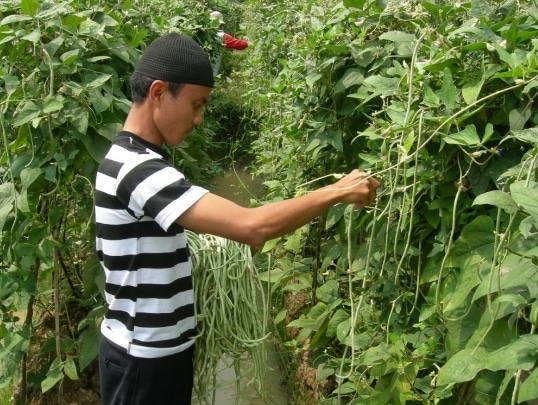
[233,43]
[254,226]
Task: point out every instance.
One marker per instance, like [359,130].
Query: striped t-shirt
[144,252]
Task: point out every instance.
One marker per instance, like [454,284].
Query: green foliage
[62,98]
[431,294]
[64,93]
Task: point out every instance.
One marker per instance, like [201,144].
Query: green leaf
[95,82]
[33,37]
[328,292]
[529,388]
[398,36]
[477,238]
[519,355]
[518,117]
[14,18]
[70,369]
[529,135]
[53,46]
[505,56]
[5,210]
[100,102]
[364,56]
[28,112]
[29,7]
[8,194]
[449,92]
[514,273]
[96,146]
[28,176]
[52,103]
[318,312]
[359,4]
[380,85]
[295,241]
[467,137]
[486,387]
[336,212]
[463,366]
[526,195]
[54,375]
[69,57]
[50,9]
[471,90]
[80,119]
[338,317]
[342,330]
[333,137]
[89,28]
[375,355]
[304,323]
[89,347]
[499,199]
[351,77]
[280,317]
[467,281]
[312,78]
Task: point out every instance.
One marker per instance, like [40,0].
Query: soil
[308,390]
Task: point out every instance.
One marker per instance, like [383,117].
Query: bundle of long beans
[231,310]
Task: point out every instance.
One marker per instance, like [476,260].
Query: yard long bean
[231,310]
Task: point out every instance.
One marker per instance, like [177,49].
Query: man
[227,41]
[144,205]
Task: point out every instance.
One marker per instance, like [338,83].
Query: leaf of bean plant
[463,366]
[499,199]
[529,388]
[526,195]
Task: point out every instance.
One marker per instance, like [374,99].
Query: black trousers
[128,380]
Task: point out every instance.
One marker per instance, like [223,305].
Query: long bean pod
[231,310]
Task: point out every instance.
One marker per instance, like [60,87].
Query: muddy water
[239,186]
[226,393]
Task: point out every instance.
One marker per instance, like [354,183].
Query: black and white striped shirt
[144,253]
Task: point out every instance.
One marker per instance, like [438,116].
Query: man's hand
[358,188]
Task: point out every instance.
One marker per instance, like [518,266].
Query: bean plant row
[430,295]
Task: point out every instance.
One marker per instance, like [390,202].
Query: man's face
[175,117]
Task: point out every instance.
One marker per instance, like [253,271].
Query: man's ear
[156,90]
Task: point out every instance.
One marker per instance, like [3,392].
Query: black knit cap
[178,59]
